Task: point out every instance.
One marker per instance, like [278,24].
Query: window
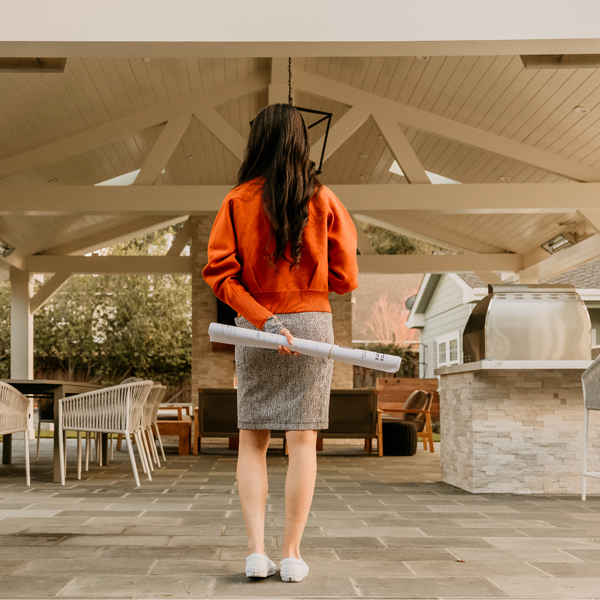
[448,349]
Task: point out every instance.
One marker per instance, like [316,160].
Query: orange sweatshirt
[238,268]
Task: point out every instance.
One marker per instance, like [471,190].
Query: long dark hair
[279,151]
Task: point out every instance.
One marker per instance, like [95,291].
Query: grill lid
[528,322]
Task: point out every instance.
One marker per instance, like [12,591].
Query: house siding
[445,313]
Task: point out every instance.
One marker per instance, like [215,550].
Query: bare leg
[253,484]
[299,488]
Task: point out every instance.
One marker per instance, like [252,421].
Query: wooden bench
[181,425]
[352,414]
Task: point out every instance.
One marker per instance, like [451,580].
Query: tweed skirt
[285,393]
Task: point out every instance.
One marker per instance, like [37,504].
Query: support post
[21,340]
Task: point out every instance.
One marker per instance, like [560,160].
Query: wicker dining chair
[590,380]
[117,409]
[14,413]
[150,418]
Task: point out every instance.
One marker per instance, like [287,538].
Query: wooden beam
[180,242]
[109,264]
[113,232]
[163,149]
[398,223]
[110,132]
[47,291]
[475,198]
[222,130]
[339,132]
[278,86]
[14,261]
[438,263]
[401,150]
[445,128]
[364,244]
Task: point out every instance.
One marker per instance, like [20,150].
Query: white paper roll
[226,334]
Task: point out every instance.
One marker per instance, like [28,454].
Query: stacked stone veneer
[516,431]
[216,369]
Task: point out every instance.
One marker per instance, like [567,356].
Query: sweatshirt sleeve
[223,269]
[341,234]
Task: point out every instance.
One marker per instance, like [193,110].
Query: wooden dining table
[53,390]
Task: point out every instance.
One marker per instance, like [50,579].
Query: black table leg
[105,449]
[7,448]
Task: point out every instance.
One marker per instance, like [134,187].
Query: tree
[388,322]
[385,241]
[112,326]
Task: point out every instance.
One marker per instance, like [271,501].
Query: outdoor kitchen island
[516,426]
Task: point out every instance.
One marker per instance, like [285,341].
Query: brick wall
[209,369]
[516,431]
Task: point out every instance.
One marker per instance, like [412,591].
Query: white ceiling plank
[438,263]
[115,130]
[345,127]
[446,128]
[476,198]
[108,264]
[427,233]
[47,291]
[398,144]
[222,130]
[163,149]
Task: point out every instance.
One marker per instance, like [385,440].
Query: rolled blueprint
[227,334]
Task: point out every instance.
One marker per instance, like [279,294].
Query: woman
[280,243]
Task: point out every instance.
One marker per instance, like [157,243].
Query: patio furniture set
[128,410]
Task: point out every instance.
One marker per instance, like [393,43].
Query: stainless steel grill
[528,322]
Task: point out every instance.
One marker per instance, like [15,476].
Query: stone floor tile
[9,567]
[139,586]
[8,527]
[213,540]
[471,508]
[586,555]
[442,531]
[340,542]
[160,553]
[185,567]
[430,587]
[501,524]
[90,514]
[99,566]
[136,521]
[210,530]
[67,529]
[588,533]
[564,543]
[31,514]
[436,568]
[239,586]
[565,570]
[16,586]
[438,542]
[403,532]
[516,555]
[129,540]
[393,554]
[538,587]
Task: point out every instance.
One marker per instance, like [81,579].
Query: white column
[21,330]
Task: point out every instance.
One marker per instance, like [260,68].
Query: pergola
[180,111]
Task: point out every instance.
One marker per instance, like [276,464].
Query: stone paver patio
[379,528]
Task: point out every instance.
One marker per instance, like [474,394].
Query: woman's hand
[283,350]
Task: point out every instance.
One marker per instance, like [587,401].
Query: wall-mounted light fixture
[5,249]
[559,242]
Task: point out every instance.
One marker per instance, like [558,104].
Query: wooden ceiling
[495,94]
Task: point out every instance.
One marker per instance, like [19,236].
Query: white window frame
[444,341]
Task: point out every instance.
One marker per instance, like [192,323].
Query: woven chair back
[418,400]
[13,409]
[590,380]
